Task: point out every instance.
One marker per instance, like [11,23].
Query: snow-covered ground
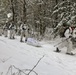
[24,56]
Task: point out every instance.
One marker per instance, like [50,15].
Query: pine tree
[66,12]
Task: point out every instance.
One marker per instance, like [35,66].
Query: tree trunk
[12,8]
[24,11]
[56,14]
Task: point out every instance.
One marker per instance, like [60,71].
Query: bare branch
[36,65]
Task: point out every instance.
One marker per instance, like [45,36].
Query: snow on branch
[58,10]
[65,10]
[72,19]
[59,4]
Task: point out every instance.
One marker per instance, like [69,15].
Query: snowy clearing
[24,56]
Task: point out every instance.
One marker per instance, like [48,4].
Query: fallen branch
[10,69]
[35,65]
[25,70]
[19,70]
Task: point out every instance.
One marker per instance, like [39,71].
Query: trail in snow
[23,56]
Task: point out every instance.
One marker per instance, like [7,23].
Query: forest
[43,16]
[37,37]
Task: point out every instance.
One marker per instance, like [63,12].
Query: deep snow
[24,56]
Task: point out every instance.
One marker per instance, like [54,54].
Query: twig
[35,65]
[30,70]
[19,69]
[8,70]
[4,60]
[1,73]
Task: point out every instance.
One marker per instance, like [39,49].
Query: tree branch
[36,65]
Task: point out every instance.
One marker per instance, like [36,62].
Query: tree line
[37,14]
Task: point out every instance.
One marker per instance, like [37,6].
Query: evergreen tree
[66,11]
[66,14]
